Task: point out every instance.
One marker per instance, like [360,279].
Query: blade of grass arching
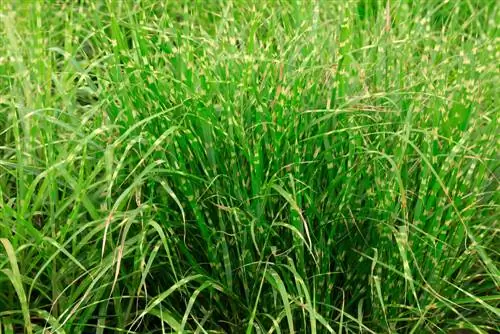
[276,324]
[288,197]
[164,239]
[257,299]
[154,147]
[126,194]
[226,258]
[87,287]
[295,231]
[378,289]
[200,324]
[295,219]
[479,300]
[172,194]
[81,194]
[146,270]
[17,281]
[41,268]
[125,136]
[60,248]
[119,250]
[305,292]
[418,323]
[28,232]
[402,243]
[319,318]
[275,280]
[191,303]
[162,296]
[375,280]
[165,317]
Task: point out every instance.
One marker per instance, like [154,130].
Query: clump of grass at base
[313,167]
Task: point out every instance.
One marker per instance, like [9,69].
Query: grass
[247,166]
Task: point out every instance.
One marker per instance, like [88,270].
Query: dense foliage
[249,166]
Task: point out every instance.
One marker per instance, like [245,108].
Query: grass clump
[249,167]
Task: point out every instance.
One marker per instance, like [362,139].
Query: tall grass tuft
[249,166]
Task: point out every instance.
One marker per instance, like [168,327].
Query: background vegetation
[249,166]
